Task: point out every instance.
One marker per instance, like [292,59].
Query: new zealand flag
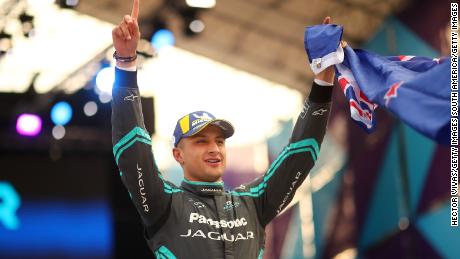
[415,89]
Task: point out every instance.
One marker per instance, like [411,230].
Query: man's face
[202,156]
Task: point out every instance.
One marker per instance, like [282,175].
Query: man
[199,219]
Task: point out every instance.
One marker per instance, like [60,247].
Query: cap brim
[226,127]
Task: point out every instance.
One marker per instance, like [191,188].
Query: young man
[199,219]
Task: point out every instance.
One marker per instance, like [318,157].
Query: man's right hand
[126,35]
[328,74]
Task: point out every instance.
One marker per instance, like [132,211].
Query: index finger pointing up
[135,11]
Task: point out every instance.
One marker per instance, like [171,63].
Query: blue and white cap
[194,122]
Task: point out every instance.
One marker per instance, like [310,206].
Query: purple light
[28,124]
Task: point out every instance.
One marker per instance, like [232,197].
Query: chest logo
[230,205]
[197,204]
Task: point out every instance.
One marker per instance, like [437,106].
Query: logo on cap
[192,123]
[199,119]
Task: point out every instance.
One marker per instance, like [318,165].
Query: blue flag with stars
[415,89]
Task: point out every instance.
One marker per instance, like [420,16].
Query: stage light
[28,124]
[67,3]
[162,38]
[156,30]
[201,3]
[58,132]
[61,113]
[27,22]
[104,80]
[105,97]
[196,26]
[90,108]
[192,24]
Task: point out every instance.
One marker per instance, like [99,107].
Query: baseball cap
[194,122]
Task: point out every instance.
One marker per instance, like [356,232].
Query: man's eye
[200,141]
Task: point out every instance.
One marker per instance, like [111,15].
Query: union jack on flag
[361,109]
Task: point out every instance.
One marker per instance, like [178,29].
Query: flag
[414,89]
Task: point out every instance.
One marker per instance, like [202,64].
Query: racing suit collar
[203,188]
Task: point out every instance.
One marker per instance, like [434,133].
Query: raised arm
[275,189]
[132,149]
[126,36]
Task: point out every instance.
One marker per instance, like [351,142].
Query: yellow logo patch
[185,124]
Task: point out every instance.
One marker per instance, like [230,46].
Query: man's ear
[177,153]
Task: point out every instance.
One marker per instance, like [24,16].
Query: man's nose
[213,147]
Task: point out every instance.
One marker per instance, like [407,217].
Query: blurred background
[379,195]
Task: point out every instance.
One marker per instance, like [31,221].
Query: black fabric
[320,93]
[125,78]
[150,231]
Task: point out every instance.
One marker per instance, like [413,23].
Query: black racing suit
[202,220]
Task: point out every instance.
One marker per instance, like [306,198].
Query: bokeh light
[61,113]
[162,38]
[29,124]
